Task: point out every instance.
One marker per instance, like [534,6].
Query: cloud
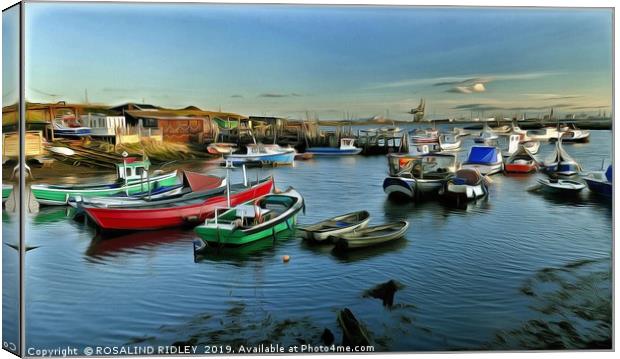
[474,88]
[237,96]
[589,107]
[550,96]
[276,95]
[465,80]
[491,107]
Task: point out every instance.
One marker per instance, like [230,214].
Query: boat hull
[562,186]
[168,217]
[410,188]
[350,242]
[284,158]
[48,195]
[519,168]
[329,151]
[600,187]
[325,235]
[463,192]
[210,237]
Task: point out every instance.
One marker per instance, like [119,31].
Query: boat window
[127,172]
[139,171]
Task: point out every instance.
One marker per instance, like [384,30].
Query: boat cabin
[428,166]
[132,170]
[347,143]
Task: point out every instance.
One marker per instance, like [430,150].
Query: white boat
[486,159]
[449,142]
[347,147]
[513,145]
[572,134]
[561,163]
[371,236]
[67,125]
[320,232]
[561,185]
[222,148]
[543,134]
[263,154]
[486,136]
[501,129]
[413,177]
[531,146]
[601,182]
[467,184]
[424,136]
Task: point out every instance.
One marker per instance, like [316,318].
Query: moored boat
[466,185]
[486,159]
[421,136]
[370,236]
[561,185]
[194,185]
[180,213]
[561,163]
[600,182]
[522,161]
[251,221]
[321,231]
[531,146]
[572,134]
[222,148]
[416,176]
[543,134]
[486,136]
[263,154]
[132,177]
[6,191]
[347,147]
[449,142]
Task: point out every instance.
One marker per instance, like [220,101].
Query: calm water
[519,270]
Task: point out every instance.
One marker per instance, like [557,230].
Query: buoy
[285,258]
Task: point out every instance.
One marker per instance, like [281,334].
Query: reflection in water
[239,255]
[106,244]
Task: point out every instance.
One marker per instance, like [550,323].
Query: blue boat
[561,163]
[601,182]
[486,159]
[68,126]
[263,155]
[346,148]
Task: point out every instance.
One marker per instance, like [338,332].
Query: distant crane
[418,112]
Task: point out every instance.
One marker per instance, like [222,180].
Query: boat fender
[286,258]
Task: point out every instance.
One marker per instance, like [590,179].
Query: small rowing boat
[449,142]
[465,185]
[370,236]
[561,185]
[487,136]
[222,148]
[252,221]
[321,231]
[572,134]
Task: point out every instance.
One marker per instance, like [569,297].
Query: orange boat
[522,161]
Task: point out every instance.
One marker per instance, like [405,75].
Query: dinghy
[321,231]
[252,221]
[522,161]
[560,163]
[370,236]
[222,148]
[601,182]
[486,159]
[421,136]
[561,185]
[449,142]
[413,177]
[132,177]
[346,148]
[466,185]
[543,134]
[513,145]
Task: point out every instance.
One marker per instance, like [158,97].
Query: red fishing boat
[522,161]
[182,213]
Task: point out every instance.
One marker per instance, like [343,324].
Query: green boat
[250,222]
[6,191]
[132,178]
[226,123]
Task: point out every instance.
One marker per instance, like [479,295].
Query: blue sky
[286,60]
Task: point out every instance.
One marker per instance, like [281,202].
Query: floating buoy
[286,258]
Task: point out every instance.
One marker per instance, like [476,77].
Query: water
[472,278]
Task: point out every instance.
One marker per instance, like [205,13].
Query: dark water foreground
[520,270]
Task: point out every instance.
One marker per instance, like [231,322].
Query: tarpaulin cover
[482,155]
[609,173]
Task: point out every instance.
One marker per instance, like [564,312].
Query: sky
[10,56]
[332,62]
